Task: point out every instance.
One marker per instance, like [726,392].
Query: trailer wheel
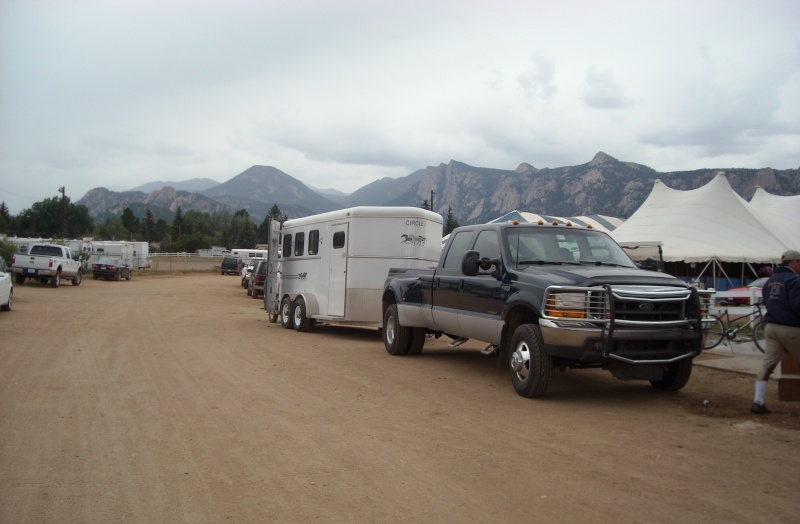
[396,338]
[78,278]
[301,320]
[56,280]
[675,377]
[530,365]
[286,314]
[20,279]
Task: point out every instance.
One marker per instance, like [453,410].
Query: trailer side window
[313,242]
[287,245]
[299,244]
[338,240]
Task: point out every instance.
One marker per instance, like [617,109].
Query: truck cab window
[488,245]
[458,246]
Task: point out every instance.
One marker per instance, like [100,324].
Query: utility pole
[432,199]
[63,192]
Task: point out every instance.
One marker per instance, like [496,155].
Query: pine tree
[149,232]
[177,225]
[450,222]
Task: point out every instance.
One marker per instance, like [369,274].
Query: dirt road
[173,399]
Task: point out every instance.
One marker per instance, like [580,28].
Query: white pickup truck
[47,263]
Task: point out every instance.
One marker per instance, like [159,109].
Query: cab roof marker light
[540,222]
[569,224]
[555,222]
[589,226]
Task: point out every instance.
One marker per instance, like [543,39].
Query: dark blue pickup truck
[545,297]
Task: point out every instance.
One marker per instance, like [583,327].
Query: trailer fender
[312,306]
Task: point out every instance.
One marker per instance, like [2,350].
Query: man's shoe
[760,409]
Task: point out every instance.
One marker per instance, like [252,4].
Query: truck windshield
[559,245]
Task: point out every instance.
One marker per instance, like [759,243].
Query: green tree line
[57,217]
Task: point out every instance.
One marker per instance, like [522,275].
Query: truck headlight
[567,305]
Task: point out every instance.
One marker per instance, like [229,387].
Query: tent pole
[724,273]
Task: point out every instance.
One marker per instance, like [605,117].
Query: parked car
[231,266]
[257,279]
[246,271]
[758,283]
[111,269]
[6,287]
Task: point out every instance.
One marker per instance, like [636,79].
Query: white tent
[711,222]
[778,214]
[599,222]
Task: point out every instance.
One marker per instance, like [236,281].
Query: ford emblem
[646,306]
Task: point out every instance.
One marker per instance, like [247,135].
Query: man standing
[782,334]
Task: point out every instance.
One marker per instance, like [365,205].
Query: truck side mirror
[651,264]
[470,262]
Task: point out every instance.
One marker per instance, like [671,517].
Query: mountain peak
[601,158]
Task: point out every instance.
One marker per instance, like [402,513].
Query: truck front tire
[675,377]
[530,365]
[78,279]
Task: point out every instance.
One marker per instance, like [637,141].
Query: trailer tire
[675,377]
[56,280]
[396,338]
[78,278]
[530,365]
[286,314]
[300,316]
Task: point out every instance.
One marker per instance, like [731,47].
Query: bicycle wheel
[713,333]
[759,336]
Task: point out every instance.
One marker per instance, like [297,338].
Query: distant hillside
[193,186]
[604,186]
[259,188]
[383,191]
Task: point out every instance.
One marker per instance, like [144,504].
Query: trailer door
[338,269]
[272,285]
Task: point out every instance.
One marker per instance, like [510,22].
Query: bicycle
[715,331]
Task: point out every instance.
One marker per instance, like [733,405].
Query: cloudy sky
[338,93]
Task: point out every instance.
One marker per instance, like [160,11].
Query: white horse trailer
[334,265]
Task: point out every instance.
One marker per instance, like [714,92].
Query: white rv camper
[248,254]
[334,265]
[121,250]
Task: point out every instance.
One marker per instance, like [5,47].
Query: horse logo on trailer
[412,239]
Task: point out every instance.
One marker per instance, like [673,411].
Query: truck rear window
[50,251]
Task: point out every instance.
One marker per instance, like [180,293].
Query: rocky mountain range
[604,186]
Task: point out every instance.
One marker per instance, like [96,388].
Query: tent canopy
[712,222]
[600,222]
